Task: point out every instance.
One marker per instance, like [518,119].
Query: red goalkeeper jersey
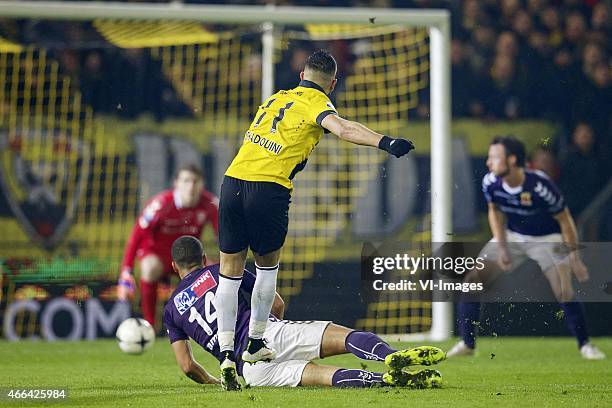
[163,220]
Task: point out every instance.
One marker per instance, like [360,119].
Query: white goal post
[437,21]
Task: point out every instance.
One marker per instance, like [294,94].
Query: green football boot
[418,379]
[229,376]
[422,355]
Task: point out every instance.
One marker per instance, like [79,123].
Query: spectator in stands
[600,22]
[461,91]
[129,82]
[592,54]
[482,45]
[341,50]
[543,159]
[289,78]
[551,23]
[575,32]
[508,9]
[522,25]
[472,15]
[539,46]
[70,64]
[564,81]
[503,94]
[507,45]
[94,86]
[138,85]
[538,69]
[582,170]
[594,101]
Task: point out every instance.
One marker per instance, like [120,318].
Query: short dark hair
[513,147]
[187,251]
[322,61]
[190,167]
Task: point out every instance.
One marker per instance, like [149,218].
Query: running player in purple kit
[190,313]
[528,219]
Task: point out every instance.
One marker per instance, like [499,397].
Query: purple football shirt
[190,311]
[529,208]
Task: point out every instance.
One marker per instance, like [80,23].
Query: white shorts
[541,249]
[296,344]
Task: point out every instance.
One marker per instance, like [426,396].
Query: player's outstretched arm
[191,368]
[142,231]
[357,133]
[570,238]
[278,307]
[497,223]
[126,284]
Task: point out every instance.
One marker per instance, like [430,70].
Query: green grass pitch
[542,372]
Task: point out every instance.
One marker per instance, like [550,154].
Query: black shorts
[252,214]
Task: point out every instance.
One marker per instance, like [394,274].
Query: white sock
[226,304]
[226,340]
[262,299]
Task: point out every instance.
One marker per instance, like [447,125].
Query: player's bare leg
[334,340]
[151,269]
[315,374]
[262,299]
[560,278]
[226,305]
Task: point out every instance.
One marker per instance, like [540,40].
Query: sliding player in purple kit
[528,219]
[190,313]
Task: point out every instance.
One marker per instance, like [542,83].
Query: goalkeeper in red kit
[184,210]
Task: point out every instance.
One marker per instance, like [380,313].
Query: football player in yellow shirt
[256,192]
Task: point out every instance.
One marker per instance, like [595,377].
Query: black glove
[396,147]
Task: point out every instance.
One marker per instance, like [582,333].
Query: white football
[135,335]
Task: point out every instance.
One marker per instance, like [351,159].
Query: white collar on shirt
[512,190]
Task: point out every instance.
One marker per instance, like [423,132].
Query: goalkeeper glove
[126,285]
[396,147]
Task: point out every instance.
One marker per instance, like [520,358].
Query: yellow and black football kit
[256,190]
[285,130]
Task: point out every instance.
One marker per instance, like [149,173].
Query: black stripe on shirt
[324,114]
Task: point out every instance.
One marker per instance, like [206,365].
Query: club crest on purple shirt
[526,198]
[188,296]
